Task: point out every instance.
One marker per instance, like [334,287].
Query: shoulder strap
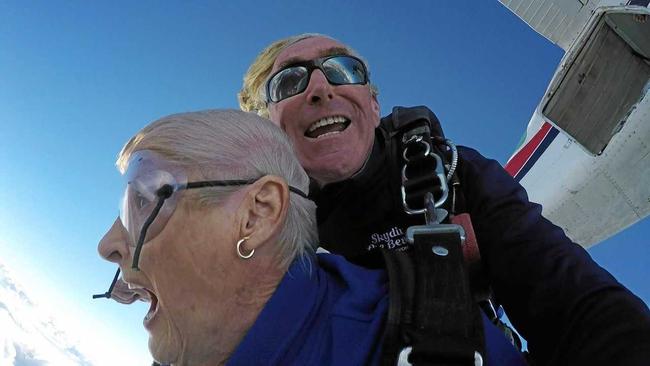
[410,130]
[397,128]
[405,118]
[406,121]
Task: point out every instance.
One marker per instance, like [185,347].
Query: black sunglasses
[293,79]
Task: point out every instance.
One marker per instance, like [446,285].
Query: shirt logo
[392,239]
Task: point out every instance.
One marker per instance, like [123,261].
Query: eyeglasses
[293,79]
[149,200]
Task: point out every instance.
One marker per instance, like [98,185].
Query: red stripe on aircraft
[514,165]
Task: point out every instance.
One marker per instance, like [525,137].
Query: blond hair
[252,96]
[231,144]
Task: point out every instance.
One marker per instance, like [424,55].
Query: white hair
[231,144]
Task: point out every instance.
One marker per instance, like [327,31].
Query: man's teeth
[326,121]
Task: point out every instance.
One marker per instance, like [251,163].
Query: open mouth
[327,126]
[153,307]
[126,294]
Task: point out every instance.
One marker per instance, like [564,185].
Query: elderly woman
[215,230]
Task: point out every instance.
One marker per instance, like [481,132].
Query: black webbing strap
[432,318]
[431,306]
[401,289]
[405,121]
[403,117]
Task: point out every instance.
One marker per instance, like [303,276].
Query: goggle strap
[236,182]
[298,192]
[107,294]
[220,183]
[163,195]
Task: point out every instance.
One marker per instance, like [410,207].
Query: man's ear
[376,110]
[263,211]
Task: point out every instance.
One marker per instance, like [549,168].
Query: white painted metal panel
[594,197]
[560,21]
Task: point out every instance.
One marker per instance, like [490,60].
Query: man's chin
[334,166]
[326,175]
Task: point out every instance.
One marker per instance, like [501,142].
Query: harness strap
[399,126]
[404,117]
[479,282]
[455,284]
[432,313]
[401,289]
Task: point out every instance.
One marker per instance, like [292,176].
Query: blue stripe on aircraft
[550,136]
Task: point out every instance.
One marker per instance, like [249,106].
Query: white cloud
[31,335]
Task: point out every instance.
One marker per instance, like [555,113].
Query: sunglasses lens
[287,83]
[339,70]
[343,70]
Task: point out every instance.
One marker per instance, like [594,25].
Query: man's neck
[320,184]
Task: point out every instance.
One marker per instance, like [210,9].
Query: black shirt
[358,216]
[571,311]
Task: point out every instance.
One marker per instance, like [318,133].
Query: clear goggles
[293,79]
[149,195]
[150,198]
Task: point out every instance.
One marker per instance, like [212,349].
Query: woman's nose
[113,246]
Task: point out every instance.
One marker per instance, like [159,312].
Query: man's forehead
[309,49]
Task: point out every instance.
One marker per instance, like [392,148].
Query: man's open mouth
[327,126]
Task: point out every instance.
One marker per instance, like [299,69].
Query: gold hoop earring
[239,253]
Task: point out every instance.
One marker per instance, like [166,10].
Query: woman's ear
[264,211]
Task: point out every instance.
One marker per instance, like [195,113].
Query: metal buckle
[411,231]
[478,359]
[416,139]
[403,358]
[440,174]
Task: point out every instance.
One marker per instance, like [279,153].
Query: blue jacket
[328,311]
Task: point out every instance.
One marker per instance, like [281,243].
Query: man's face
[336,151]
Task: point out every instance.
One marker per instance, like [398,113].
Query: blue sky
[77,79]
